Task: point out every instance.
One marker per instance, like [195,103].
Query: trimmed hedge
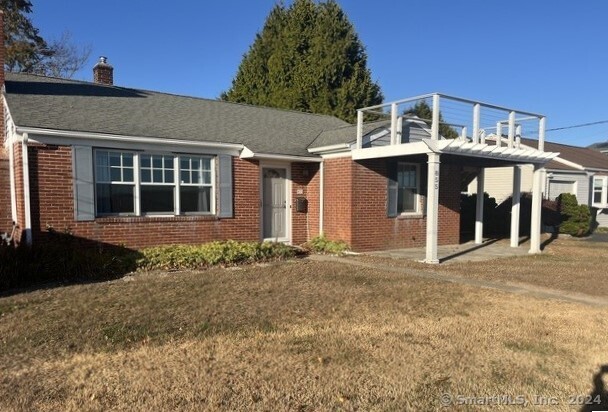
[230,252]
[321,244]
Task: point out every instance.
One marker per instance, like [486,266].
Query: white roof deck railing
[460,115]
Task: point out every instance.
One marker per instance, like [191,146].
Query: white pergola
[489,147]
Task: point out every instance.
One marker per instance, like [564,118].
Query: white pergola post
[479,209]
[515,206]
[432,208]
[537,206]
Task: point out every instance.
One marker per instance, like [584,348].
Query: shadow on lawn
[58,259]
[598,398]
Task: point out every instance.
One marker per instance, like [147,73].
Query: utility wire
[577,125]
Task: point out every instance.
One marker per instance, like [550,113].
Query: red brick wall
[305,178]
[337,199]
[52,206]
[365,225]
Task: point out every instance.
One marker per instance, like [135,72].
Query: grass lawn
[569,265]
[300,335]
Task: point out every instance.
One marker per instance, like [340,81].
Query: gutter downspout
[11,173]
[26,191]
[321,195]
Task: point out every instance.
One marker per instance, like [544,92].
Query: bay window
[131,183]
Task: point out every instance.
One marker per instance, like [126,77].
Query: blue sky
[547,57]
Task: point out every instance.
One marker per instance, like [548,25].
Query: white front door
[274,203]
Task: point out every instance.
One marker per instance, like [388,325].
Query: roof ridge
[179,95]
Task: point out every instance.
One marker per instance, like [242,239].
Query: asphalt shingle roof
[346,133]
[60,104]
[588,158]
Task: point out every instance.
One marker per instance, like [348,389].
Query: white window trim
[137,183]
[604,203]
[417,202]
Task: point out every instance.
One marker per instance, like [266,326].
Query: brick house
[137,168]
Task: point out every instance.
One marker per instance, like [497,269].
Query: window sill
[153,219]
[415,215]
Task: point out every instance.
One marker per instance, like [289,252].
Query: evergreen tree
[24,47]
[27,51]
[424,111]
[307,57]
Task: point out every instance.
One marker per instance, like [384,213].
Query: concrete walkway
[519,288]
[466,252]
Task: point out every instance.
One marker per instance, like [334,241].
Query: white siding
[569,182]
[557,187]
[602,218]
[498,182]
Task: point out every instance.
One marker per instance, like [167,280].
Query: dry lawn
[299,335]
[566,264]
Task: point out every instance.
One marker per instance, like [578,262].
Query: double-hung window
[114,182]
[195,188]
[132,183]
[408,188]
[157,191]
[600,191]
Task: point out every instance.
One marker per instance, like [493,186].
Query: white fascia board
[330,148]
[247,153]
[391,151]
[52,136]
[569,163]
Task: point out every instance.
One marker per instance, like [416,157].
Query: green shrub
[230,252]
[576,219]
[321,244]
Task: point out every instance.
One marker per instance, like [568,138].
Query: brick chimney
[103,73]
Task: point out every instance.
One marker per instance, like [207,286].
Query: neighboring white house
[577,170]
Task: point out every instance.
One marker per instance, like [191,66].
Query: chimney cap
[103,61]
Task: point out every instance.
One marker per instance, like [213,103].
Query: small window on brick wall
[408,176]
